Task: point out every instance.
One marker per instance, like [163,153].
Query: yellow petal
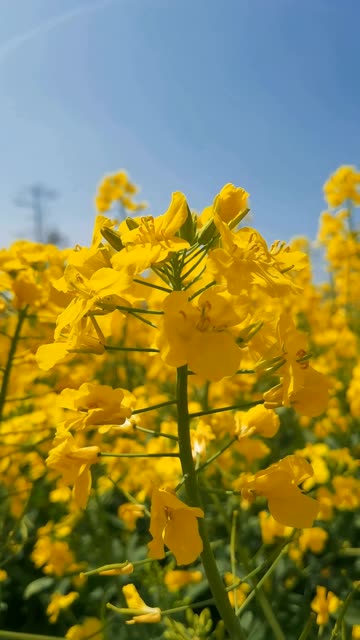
[297,511]
[181,536]
[213,355]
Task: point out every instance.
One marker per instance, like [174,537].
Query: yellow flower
[279,484]
[58,601]
[102,291]
[239,594]
[97,404]
[80,338]
[230,202]
[199,336]
[324,604]
[153,239]
[54,556]
[244,261]
[3,575]
[130,513]
[270,529]
[174,524]
[177,579]
[314,539]
[142,612]
[302,387]
[343,185]
[90,628]
[259,420]
[117,187]
[74,464]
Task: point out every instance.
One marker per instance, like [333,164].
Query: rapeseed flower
[140,611]
[173,524]
[279,483]
[198,335]
[74,465]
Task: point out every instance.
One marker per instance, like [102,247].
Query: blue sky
[186,95]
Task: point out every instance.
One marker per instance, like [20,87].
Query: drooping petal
[298,510]
[181,536]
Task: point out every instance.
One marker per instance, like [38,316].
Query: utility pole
[36,197]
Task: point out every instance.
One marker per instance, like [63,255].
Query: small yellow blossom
[140,611]
[174,524]
[313,539]
[58,602]
[259,420]
[324,604]
[239,594]
[279,484]
[74,464]
[90,628]
[178,579]
[96,404]
[270,529]
[130,513]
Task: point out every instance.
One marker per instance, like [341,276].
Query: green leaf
[37,586]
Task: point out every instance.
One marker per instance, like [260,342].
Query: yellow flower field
[179,426]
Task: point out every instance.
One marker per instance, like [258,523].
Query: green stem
[216,455]
[233,554]
[152,285]
[233,407]
[189,271]
[344,607]
[15,635]
[144,320]
[309,625]
[137,455]
[168,403]
[156,434]
[216,584]
[141,349]
[207,286]
[10,358]
[136,310]
[265,577]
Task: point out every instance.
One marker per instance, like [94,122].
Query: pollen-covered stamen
[146,231]
[302,358]
[204,323]
[80,284]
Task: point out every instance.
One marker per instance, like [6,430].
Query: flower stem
[140,349]
[10,358]
[216,584]
[168,403]
[233,407]
[156,434]
[152,285]
[137,455]
[308,627]
[15,635]
[217,454]
[139,310]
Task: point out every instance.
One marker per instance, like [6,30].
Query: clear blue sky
[186,95]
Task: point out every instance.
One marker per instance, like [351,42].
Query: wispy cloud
[16,42]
